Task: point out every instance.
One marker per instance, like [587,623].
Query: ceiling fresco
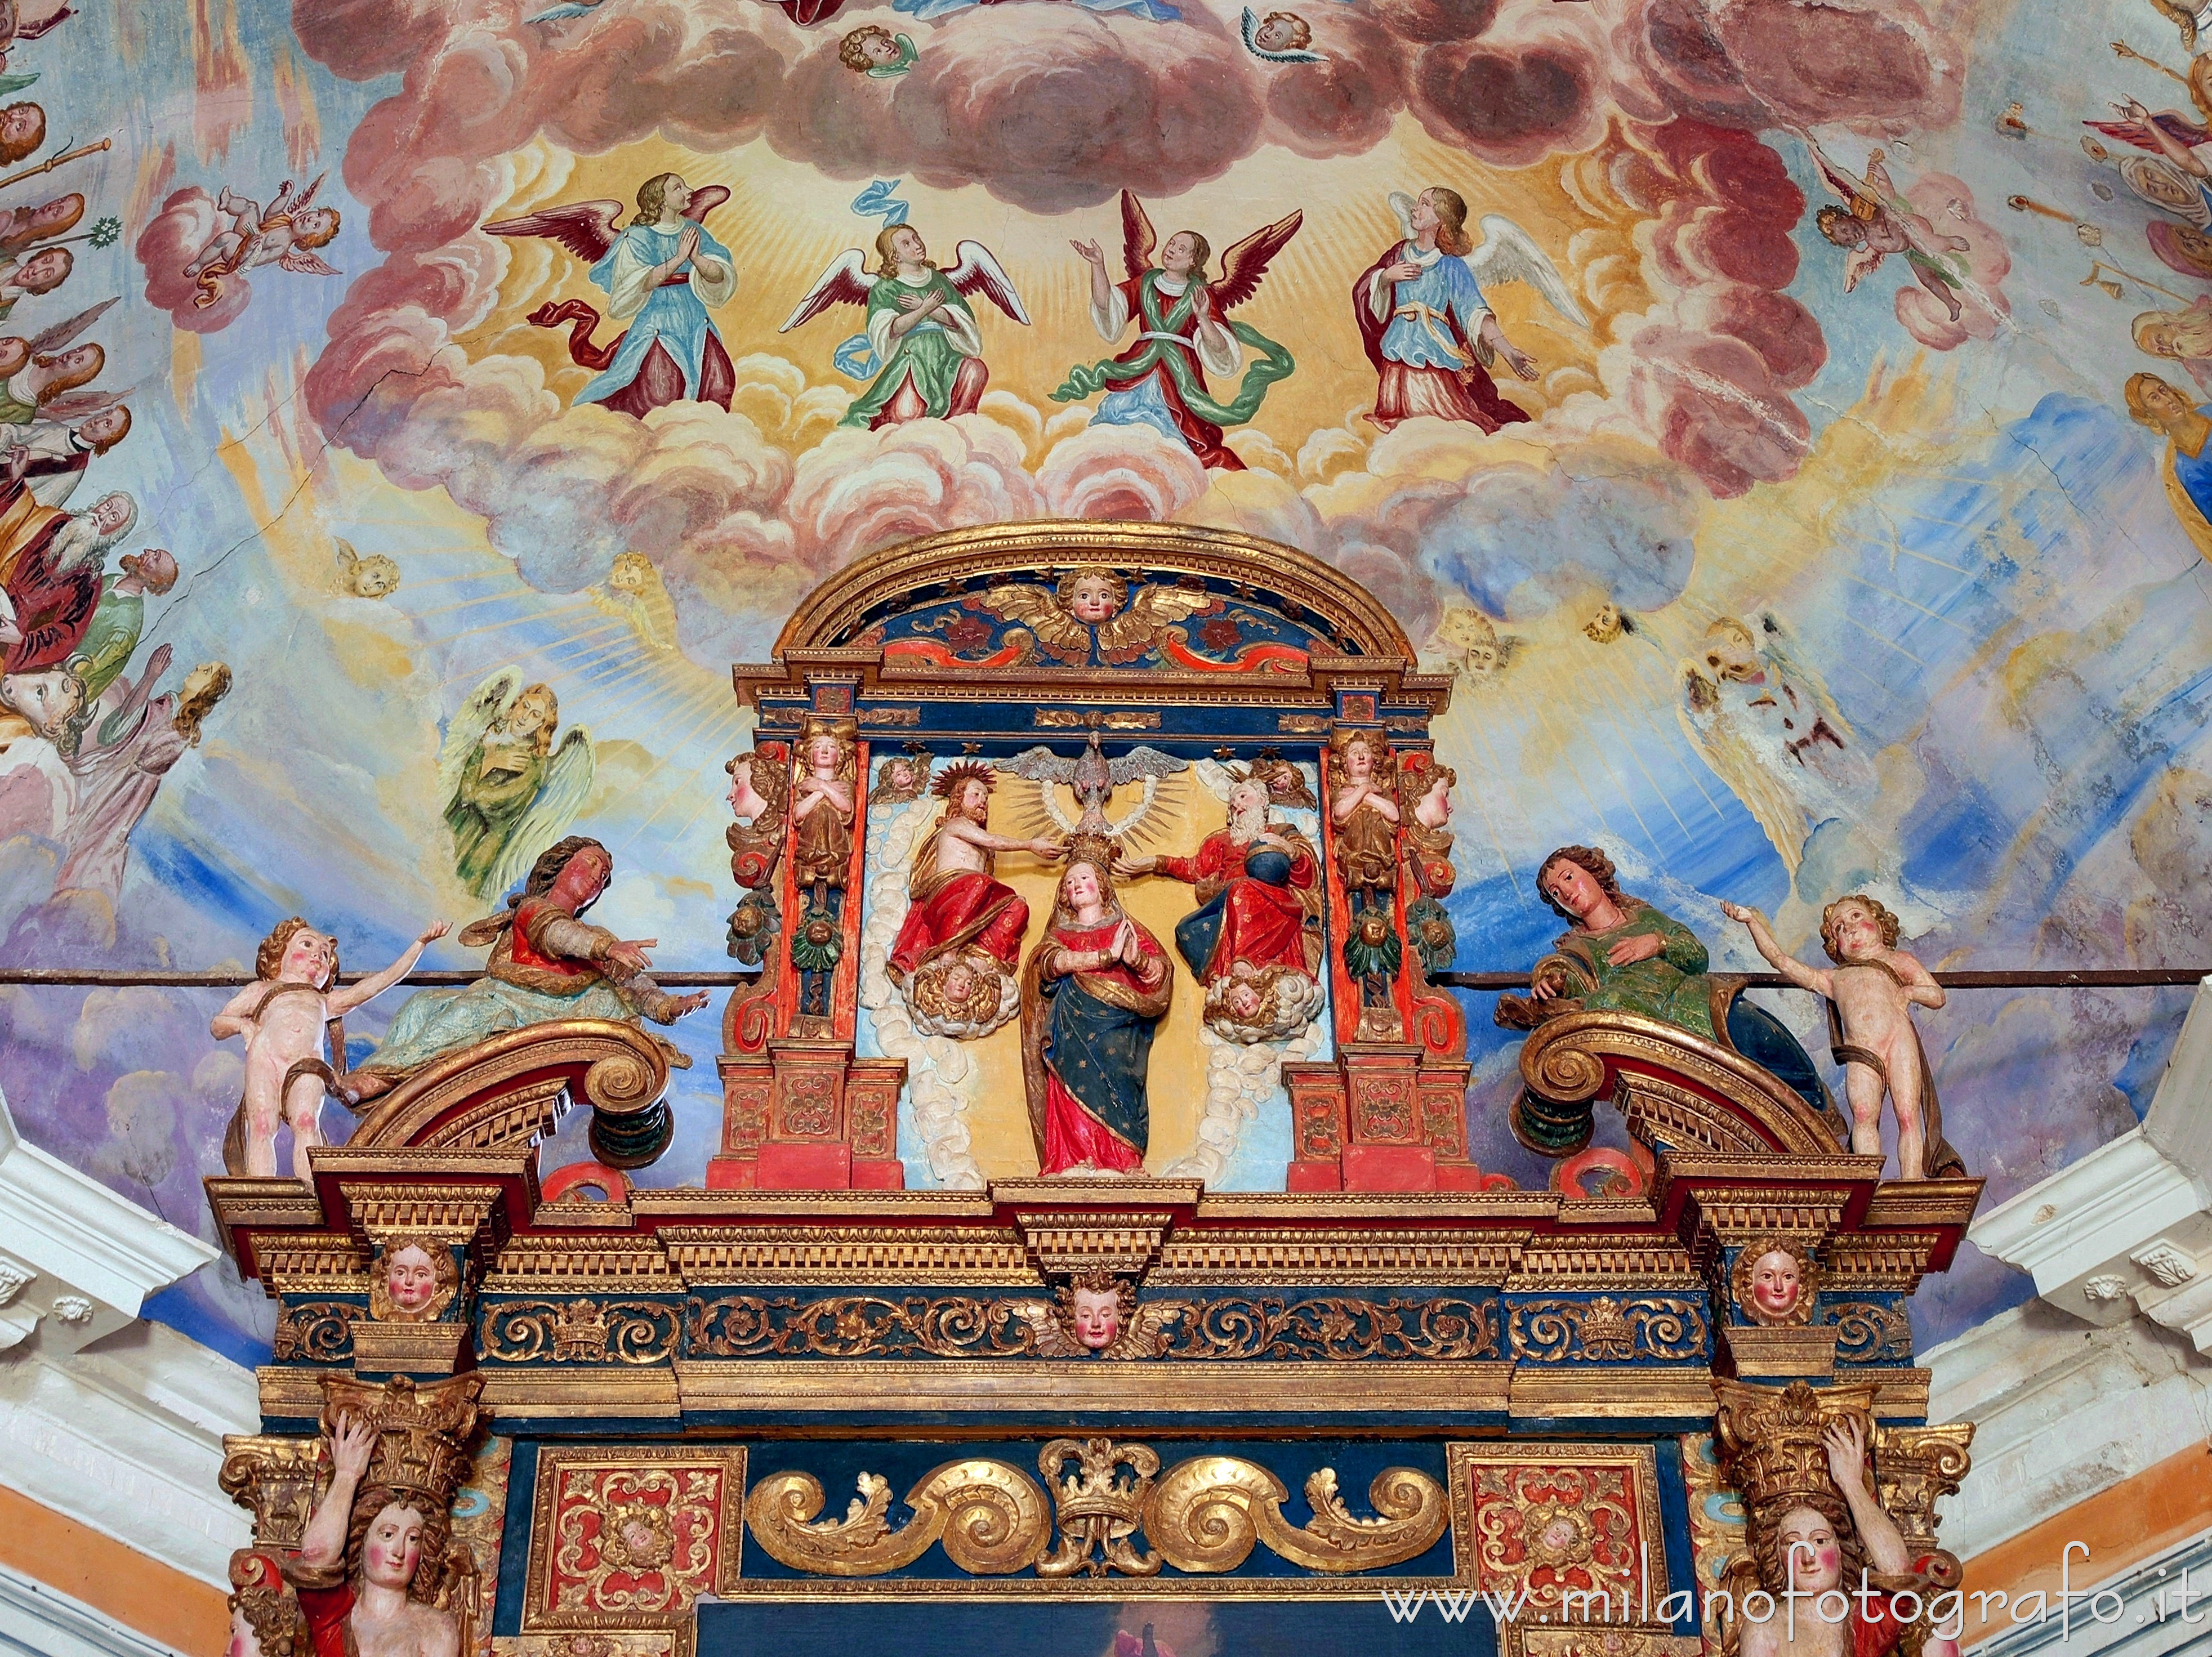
[1782,419]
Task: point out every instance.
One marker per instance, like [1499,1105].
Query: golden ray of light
[521,620]
[1482,805]
[503,597]
[1875,586]
[1565,755]
[1897,549]
[417,583]
[1888,643]
[1632,697]
[672,791]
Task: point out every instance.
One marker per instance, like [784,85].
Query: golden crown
[1770,1438]
[423,1433]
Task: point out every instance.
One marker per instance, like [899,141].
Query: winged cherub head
[1089,593]
[1096,1306]
[866,46]
[316,228]
[1283,31]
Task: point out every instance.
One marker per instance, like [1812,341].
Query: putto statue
[547,962]
[286,1015]
[1871,991]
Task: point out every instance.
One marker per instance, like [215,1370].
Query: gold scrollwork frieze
[1606,1330]
[992,1518]
[635,1331]
[1099,1511]
[315,1331]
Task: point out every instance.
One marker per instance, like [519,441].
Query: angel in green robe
[922,343]
[509,790]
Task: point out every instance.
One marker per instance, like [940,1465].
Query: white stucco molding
[77,1261]
[2127,1230]
[105,1418]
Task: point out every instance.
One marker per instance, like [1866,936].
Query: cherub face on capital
[1776,1283]
[392,1547]
[1096,1316]
[411,1278]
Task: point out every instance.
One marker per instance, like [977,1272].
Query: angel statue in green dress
[1621,954]
[921,330]
[509,790]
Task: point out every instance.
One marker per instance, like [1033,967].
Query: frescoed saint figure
[1428,331]
[663,273]
[2186,468]
[1183,333]
[1094,991]
[921,327]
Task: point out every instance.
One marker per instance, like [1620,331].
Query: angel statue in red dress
[663,273]
[921,343]
[1428,330]
[1184,334]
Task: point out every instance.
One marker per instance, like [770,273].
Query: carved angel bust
[1089,616]
[1774,1281]
[1098,1314]
[414,1282]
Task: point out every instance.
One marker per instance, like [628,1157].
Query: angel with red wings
[1184,333]
[664,273]
[243,235]
[921,326]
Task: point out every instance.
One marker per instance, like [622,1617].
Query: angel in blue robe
[663,273]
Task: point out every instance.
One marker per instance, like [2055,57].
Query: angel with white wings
[509,790]
[921,326]
[662,272]
[1183,333]
[1767,723]
[246,236]
[1430,333]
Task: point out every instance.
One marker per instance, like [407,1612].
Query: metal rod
[2080,978]
[2077,978]
[124,978]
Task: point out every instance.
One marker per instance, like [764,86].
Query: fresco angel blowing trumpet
[663,273]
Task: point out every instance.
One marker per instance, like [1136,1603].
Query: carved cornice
[841,606]
[863,1256]
[540,1263]
[1302,1255]
[446,1213]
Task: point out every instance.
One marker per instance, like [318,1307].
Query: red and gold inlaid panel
[632,1540]
[1547,1520]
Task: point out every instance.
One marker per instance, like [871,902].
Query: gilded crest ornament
[1099,1506]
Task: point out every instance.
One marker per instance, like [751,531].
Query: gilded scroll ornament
[581,1332]
[276,1478]
[314,1331]
[1335,1328]
[1868,1331]
[1099,1489]
[1207,1512]
[1913,1466]
[992,1518]
[1606,1330]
